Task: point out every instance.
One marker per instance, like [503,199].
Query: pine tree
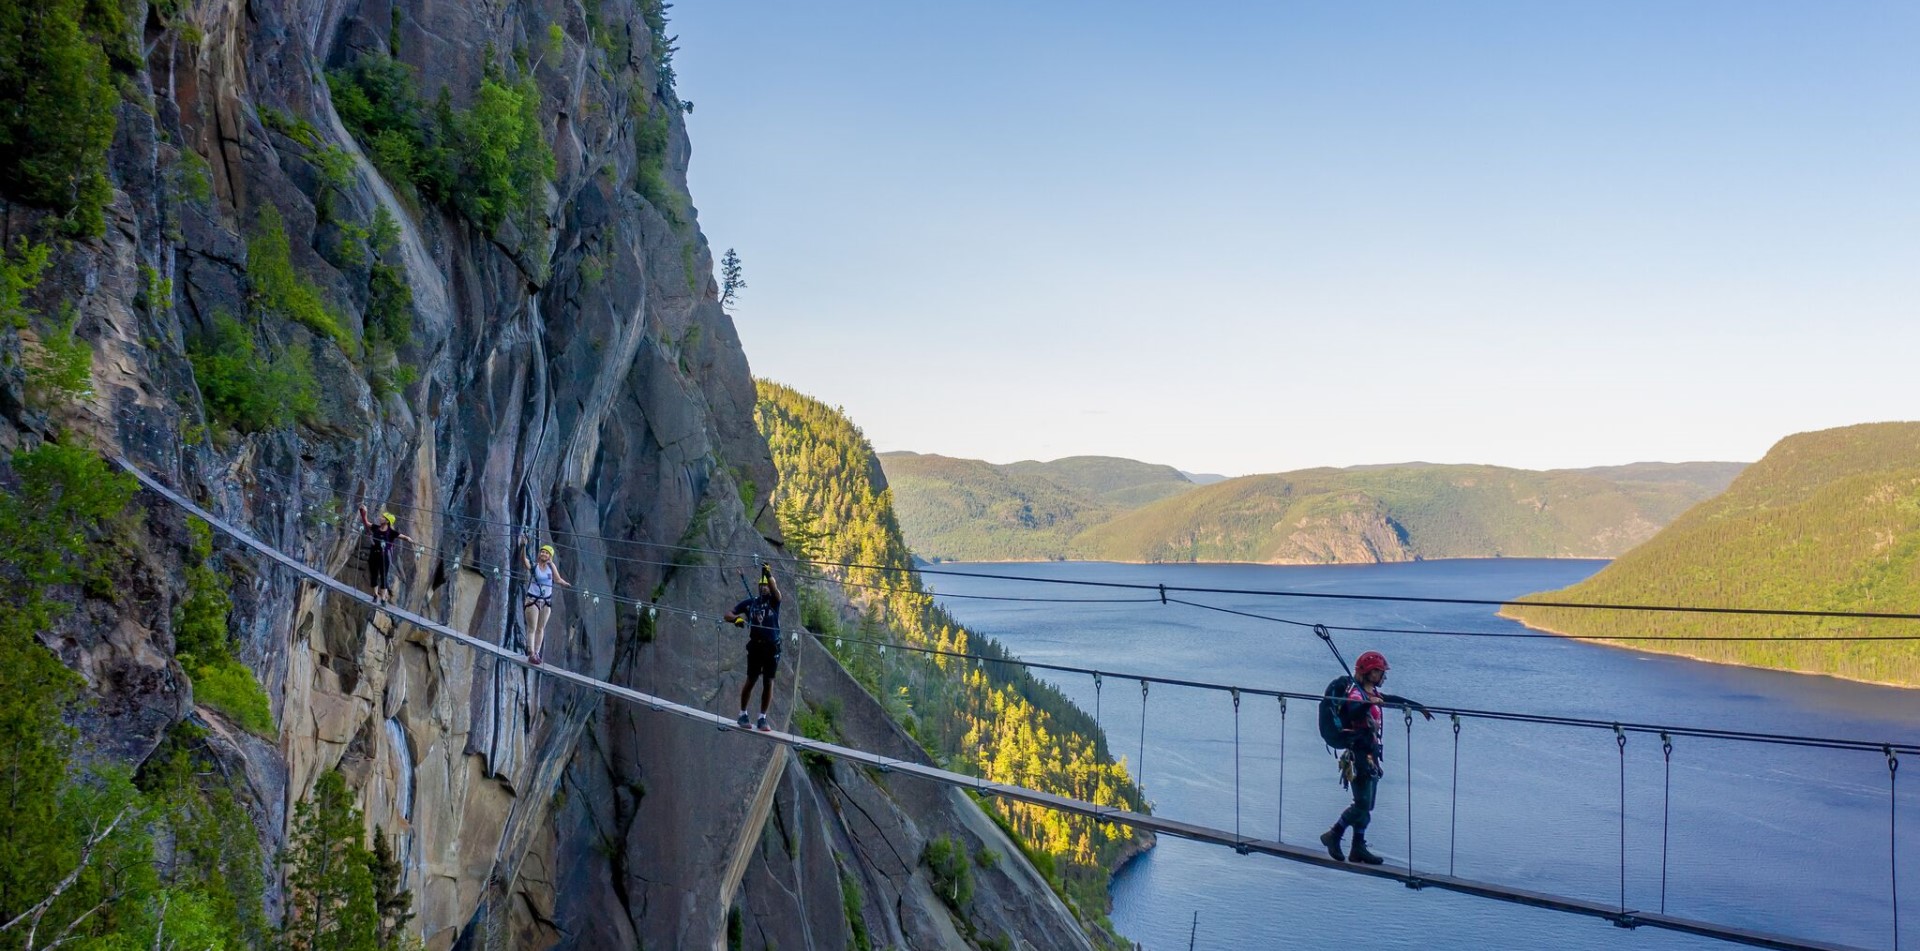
[392,901]
[330,904]
[731,281]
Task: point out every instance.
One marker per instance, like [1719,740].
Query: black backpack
[1332,729]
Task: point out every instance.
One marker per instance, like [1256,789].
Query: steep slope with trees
[1828,520]
[995,720]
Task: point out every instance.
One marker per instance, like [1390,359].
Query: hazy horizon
[1185,470]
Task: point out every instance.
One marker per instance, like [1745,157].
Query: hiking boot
[743,721]
[1331,839]
[1361,854]
[762,724]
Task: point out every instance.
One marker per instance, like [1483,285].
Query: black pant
[763,660]
[1365,784]
[378,569]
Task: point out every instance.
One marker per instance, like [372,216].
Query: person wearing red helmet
[1361,719]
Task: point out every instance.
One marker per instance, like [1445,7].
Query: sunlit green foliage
[57,100]
[20,270]
[489,162]
[389,317]
[650,139]
[947,866]
[507,159]
[994,719]
[1828,520]
[247,390]
[204,643]
[281,291]
[59,365]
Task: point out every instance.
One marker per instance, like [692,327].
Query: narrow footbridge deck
[1622,917]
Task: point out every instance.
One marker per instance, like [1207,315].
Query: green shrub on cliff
[204,644]
[282,291]
[57,100]
[58,363]
[249,391]
[488,162]
[946,861]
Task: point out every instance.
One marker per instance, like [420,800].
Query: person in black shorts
[381,538]
[761,616]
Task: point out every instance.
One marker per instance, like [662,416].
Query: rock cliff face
[576,378]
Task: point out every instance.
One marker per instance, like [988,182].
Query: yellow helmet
[546,549]
[389,517]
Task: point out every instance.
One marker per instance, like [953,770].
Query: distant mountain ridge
[1826,520]
[1124,510]
[967,509]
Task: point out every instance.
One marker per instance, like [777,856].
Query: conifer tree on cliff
[731,281]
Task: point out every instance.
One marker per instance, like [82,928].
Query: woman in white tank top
[538,604]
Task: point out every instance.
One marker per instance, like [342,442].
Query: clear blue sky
[1246,237]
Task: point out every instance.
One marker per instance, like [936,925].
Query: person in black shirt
[381,537]
[761,616]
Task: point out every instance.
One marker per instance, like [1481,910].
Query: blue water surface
[1780,839]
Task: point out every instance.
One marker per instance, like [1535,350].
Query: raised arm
[364,523]
[766,575]
[526,551]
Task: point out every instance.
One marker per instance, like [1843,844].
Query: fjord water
[1773,838]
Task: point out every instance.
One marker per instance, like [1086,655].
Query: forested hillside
[969,510]
[994,720]
[1828,520]
[1100,507]
[1407,512]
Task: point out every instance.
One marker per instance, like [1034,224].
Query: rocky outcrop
[1360,532]
[576,379]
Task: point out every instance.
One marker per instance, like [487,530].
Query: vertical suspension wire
[1893,842]
[1453,819]
[1666,805]
[1140,764]
[1236,769]
[1407,715]
[1096,700]
[1620,740]
[1280,811]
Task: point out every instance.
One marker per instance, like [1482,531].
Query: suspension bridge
[1619,913]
